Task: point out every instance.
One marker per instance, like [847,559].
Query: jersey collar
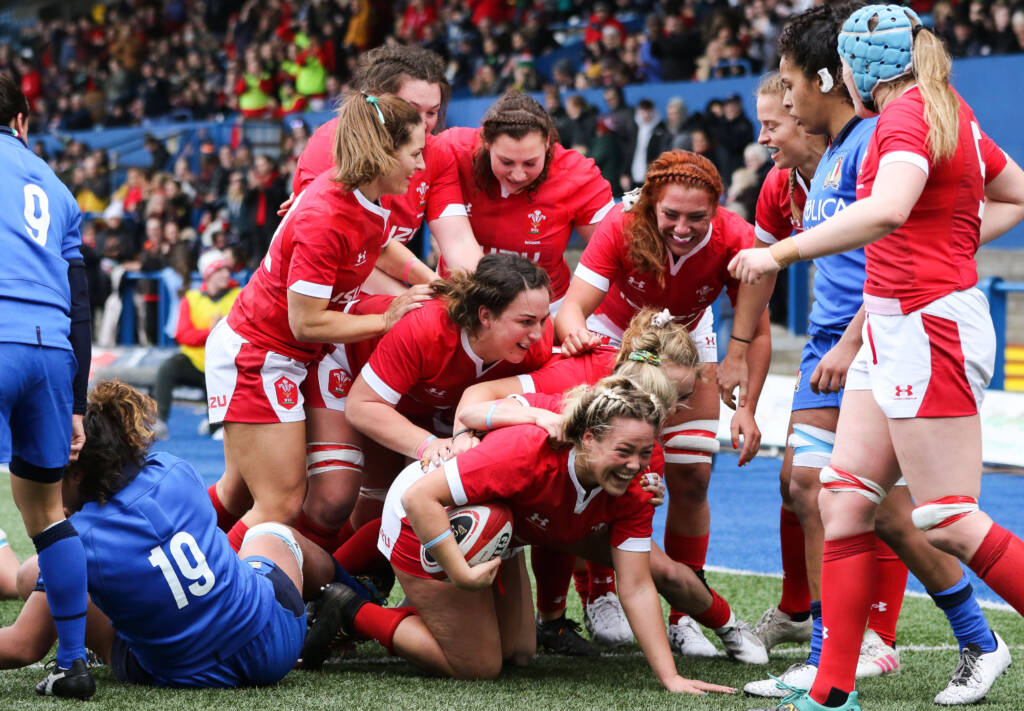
[583,497]
[674,265]
[477,360]
[371,206]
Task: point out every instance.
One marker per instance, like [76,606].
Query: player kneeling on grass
[171,602]
[586,499]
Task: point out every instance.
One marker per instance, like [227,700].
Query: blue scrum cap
[878,51]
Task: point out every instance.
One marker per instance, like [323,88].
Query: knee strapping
[836,480]
[324,457]
[812,446]
[943,512]
[690,442]
[373,494]
[277,530]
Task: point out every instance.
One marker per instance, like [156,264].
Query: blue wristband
[438,539]
[490,414]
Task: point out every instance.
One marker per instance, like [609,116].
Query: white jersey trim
[526,383]
[674,266]
[635,545]
[379,386]
[593,278]
[371,206]
[764,235]
[308,288]
[914,159]
[451,475]
[599,215]
[583,499]
[454,210]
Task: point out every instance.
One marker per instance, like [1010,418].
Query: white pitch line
[985,604]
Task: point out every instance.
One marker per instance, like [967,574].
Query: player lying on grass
[171,603]
[586,499]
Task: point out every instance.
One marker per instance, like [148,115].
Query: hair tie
[375,102]
[645,356]
[662,319]
[917,29]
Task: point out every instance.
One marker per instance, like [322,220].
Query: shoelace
[794,692]
[966,667]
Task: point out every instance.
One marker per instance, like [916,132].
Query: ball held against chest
[483,532]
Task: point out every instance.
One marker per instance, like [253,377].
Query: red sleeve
[398,361]
[992,156]
[588,195]
[634,519]
[445,197]
[604,257]
[508,461]
[318,247]
[560,374]
[240,86]
[902,129]
[186,333]
[545,401]
[772,216]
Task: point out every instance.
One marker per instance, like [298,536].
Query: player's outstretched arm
[458,245]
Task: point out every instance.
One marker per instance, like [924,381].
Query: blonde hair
[670,342]
[364,147]
[932,66]
[593,407]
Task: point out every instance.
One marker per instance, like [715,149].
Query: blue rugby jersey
[165,575]
[839,280]
[39,235]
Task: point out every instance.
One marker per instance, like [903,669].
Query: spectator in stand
[647,123]
[601,18]
[198,312]
[672,133]
[418,14]
[678,49]
[731,133]
[253,88]
[581,124]
[157,152]
[259,217]
[623,128]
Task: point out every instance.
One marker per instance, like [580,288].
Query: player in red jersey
[256,358]
[489,324]
[648,333]
[434,196]
[915,387]
[524,192]
[669,250]
[586,499]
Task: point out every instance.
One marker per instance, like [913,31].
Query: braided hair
[592,408]
[647,250]
[809,41]
[515,115]
[497,281]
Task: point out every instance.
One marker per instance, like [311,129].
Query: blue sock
[343,576]
[62,565]
[964,614]
[815,656]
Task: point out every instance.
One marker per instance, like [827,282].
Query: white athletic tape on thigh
[278,530]
[690,442]
[812,446]
[331,456]
[836,480]
[942,512]
[373,494]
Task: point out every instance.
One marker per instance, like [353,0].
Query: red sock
[237,534]
[581,581]
[225,519]
[847,569]
[359,555]
[551,571]
[344,533]
[999,561]
[887,598]
[321,535]
[691,551]
[602,580]
[380,623]
[717,614]
[796,596]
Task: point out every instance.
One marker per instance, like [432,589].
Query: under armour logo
[536,519]
[824,633]
[907,391]
[880,606]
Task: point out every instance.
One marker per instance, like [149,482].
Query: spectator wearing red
[418,14]
[602,17]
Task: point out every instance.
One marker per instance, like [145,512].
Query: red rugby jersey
[774,219]
[536,225]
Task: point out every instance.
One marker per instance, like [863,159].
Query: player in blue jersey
[45,347]
[171,602]
[817,98]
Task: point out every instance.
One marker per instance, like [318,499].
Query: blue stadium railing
[996,290]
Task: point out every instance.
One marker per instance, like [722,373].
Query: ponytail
[932,66]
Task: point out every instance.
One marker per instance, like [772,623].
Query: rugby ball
[483,532]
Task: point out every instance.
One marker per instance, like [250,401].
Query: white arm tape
[936,515]
[835,482]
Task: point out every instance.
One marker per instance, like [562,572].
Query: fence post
[997,308]
[799,297]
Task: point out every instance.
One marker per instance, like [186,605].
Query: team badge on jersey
[703,293]
[287,392]
[339,382]
[536,217]
[422,190]
[835,175]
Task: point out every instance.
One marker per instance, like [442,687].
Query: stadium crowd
[362,392]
